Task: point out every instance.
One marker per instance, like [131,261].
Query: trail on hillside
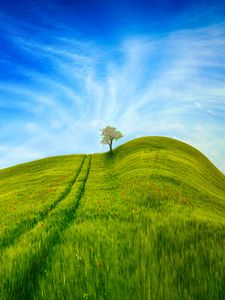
[99,209]
[39,243]
[29,224]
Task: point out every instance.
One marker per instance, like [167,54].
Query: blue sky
[68,68]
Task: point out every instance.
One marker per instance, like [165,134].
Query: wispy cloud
[169,85]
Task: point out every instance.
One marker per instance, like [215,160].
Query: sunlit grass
[146,222]
[30,191]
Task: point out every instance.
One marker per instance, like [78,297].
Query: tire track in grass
[27,225]
[32,262]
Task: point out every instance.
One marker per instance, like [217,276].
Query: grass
[30,191]
[146,222]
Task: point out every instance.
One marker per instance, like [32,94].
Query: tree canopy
[110,134]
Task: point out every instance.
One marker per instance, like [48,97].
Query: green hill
[146,222]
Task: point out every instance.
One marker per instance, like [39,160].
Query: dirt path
[27,225]
[39,244]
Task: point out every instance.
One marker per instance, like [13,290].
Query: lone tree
[109,134]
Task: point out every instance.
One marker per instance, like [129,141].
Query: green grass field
[146,222]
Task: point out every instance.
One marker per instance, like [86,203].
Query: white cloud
[15,155]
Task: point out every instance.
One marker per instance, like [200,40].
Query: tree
[109,134]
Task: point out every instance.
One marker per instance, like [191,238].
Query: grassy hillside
[147,222]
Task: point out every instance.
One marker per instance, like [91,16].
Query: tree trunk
[110,147]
